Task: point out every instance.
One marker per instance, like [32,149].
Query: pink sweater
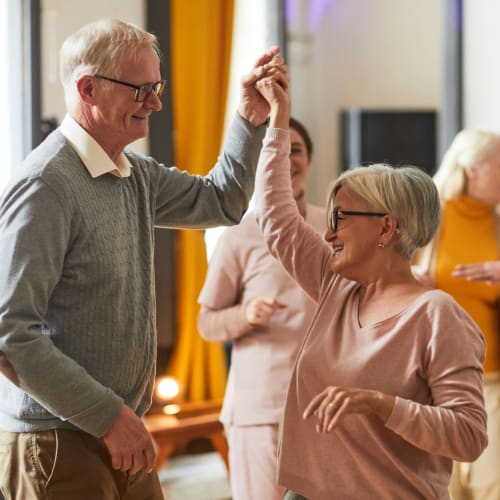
[429,356]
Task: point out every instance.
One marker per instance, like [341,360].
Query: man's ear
[86,87]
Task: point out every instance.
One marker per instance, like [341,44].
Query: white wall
[481,68]
[60,18]
[359,53]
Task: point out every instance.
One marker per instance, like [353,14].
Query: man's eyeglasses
[338,214]
[142,92]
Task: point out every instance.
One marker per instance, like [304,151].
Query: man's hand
[8,370]
[253,107]
[259,310]
[130,444]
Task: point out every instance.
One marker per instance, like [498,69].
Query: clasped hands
[270,67]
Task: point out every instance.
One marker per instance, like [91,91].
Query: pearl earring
[380,244]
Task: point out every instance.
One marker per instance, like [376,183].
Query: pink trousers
[253,462]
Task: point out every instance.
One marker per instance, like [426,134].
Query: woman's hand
[484,271]
[276,95]
[259,310]
[334,403]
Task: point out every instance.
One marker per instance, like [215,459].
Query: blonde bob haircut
[96,48]
[407,193]
[470,148]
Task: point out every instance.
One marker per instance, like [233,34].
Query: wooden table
[194,420]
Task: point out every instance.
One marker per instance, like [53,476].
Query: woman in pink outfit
[387,388]
[249,299]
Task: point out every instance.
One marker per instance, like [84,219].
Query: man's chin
[141,129]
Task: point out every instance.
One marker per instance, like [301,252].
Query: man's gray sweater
[77,305]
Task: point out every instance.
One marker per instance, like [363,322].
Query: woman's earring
[380,244]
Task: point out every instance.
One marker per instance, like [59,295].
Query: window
[252,35]
[11,88]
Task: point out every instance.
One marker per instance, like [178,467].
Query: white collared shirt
[91,153]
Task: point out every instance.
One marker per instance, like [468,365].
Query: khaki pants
[65,464]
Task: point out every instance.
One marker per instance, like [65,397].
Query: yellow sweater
[468,234]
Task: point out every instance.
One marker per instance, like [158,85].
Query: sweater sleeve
[35,228]
[299,247]
[223,325]
[222,317]
[219,198]
[454,425]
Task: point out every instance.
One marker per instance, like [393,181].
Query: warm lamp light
[171,409]
[167,389]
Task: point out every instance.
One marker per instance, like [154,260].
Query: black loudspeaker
[397,137]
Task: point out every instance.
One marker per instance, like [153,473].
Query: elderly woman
[387,388]
[463,260]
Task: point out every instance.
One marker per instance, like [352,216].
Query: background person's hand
[259,310]
[253,106]
[332,404]
[130,444]
[483,271]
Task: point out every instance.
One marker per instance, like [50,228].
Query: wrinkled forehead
[143,61]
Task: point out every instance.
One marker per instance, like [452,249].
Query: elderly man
[77,326]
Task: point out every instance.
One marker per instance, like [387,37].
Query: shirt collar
[91,153]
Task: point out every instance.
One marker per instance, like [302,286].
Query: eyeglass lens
[333,219]
[145,90]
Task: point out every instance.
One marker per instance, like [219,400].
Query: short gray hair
[97,47]
[407,193]
[470,147]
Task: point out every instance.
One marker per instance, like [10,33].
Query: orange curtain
[201,47]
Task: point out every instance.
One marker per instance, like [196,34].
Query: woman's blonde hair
[470,147]
[407,193]
[97,48]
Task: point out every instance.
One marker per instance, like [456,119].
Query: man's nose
[153,102]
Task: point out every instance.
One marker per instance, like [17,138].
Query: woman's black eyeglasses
[142,92]
[338,214]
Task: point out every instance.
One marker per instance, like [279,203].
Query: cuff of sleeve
[97,419]
[249,126]
[396,416]
[278,134]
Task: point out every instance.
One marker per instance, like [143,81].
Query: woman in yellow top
[464,261]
